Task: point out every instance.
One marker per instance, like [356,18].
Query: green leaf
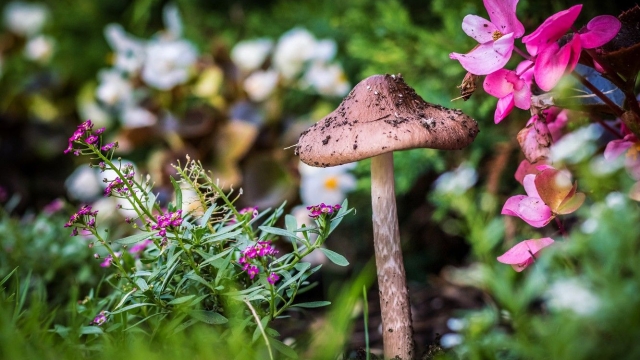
[209,317]
[181,300]
[8,276]
[215,257]
[335,257]
[283,348]
[278,231]
[312,304]
[339,216]
[185,325]
[134,238]
[87,330]
[290,222]
[207,215]
[127,308]
[142,285]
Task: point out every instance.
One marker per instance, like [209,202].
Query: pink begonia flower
[524,253]
[630,146]
[526,168]
[512,88]
[617,147]
[553,60]
[496,37]
[549,193]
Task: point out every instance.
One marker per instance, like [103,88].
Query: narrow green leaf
[142,285]
[312,304]
[278,231]
[8,276]
[181,300]
[207,215]
[134,238]
[283,348]
[209,317]
[290,222]
[185,325]
[134,306]
[335,257]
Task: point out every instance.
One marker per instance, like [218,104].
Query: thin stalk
[264,334]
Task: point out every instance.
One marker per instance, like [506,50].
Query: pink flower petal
[616,148]
[523,253]
[525,168]
[522,97]
[525,70]
[600,30]
[503,14]
[534,212]
[535,140]
[551,30]
[554,186]
[511,205]
[496,83]
[478,28]
[486,58]
[551,65]
[503,108]
[530,186]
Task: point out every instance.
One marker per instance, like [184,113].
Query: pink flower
[496,37]
[513,88]
[616,148]
[524,253]
[253,271]
[273,278]
[549,193]
[553,60]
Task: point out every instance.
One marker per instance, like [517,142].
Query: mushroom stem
[397,332]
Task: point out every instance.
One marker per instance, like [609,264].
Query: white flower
[84,183]
[575,146]
[167,63]
[327,79]
[39,48]
[260,84]
[129,50]
[294,48]
[457,181]
[249,55]
[114,87]
[324,50]
[24,18]
[572,294]
[325,185]
[136,116]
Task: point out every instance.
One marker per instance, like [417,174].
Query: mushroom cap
[381,114]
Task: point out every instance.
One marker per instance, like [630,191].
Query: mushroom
[380,115]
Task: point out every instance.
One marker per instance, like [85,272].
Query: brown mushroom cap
[381,114]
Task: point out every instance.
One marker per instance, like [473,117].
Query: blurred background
[233,84]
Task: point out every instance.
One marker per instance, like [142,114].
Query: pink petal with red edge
[523,253]
[503,108]
[496,83]
[488,57]
[529,184]
[478,28]
[551,65]
[616,148]
[534,212]
[551,30]
[600,30]
[503,14]
[525,71]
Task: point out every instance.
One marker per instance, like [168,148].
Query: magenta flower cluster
[84,134]
[100,319]
[254,253]
[321,209]
[551,52]
[84,218]
[165,221]
[119,186]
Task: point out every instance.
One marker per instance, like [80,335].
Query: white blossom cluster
[296,59]
[27,20]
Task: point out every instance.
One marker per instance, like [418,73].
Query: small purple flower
[100,319]
[99,131]
[51,208]
[140,247]
[91,139]
[253,271]
[316,210]
[273,278]
[109,146]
